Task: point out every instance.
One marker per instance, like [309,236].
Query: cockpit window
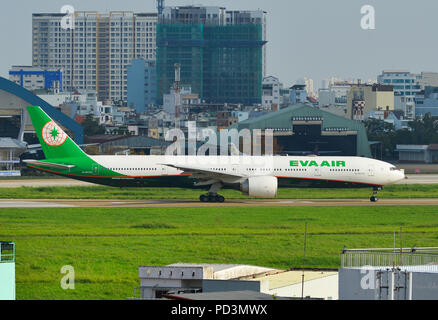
[392,168]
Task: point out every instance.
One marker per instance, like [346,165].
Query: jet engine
[261,187]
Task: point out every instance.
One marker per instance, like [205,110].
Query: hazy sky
[307,38]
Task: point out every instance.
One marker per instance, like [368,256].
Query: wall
[423,285]
[7,281]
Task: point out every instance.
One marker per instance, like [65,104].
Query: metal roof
[33,100]
[288,278]
[228,295]
[282,119]
[9,143]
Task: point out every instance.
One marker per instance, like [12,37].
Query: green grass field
[106,246]
[103,192]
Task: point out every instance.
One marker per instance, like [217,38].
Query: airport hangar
[14,119]
[302,129]
[16,129]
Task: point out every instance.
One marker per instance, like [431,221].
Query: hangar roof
[30,99]
[282,119]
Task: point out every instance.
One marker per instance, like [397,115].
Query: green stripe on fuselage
[84,166]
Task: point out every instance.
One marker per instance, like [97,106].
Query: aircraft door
[371,170]
[317,171]
[163,170]
[95,169]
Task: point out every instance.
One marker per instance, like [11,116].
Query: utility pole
[304,260]
[177,93]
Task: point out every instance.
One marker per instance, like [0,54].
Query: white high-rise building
[95,54]
[271,87]
[309,86]
[406,88]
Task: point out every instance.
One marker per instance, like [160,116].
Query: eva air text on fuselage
[313,163]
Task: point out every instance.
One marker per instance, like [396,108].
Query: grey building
[142,84]
[427,102]
[389,274]
[417,153]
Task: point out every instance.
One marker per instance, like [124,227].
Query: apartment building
[94,55]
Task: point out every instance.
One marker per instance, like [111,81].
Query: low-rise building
[362,98]
[10,151]
[271,93]
[426,102]
[417,153]
[212,281]
[35,78]
[298,94]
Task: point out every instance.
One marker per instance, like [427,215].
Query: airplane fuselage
[292,171]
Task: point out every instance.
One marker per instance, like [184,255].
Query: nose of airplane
[399,175]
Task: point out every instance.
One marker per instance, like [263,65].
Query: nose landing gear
[374,196]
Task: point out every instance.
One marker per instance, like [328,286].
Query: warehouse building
[417,153]
[302,129]
[224,281]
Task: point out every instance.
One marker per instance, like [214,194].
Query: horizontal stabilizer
[49,164]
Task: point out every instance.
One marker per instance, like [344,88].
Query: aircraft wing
[49,164]
[206,176]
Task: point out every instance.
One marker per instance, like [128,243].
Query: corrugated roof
[228,295]
[282,119]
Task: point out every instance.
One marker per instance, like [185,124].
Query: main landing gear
[212,195]
[374,196]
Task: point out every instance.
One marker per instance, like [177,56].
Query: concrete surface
[15,183]
[87,203]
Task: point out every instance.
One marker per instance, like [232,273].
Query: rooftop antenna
[401,247]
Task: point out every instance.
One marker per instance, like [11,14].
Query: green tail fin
[54,141]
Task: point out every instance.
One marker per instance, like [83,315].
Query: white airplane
[255,176]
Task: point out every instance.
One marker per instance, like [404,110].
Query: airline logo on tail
[53,135]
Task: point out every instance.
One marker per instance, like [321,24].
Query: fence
[7,252]
[427,258]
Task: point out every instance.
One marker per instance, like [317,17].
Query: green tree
[384,132]
[92,127]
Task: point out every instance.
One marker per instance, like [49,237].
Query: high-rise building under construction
[221,52]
